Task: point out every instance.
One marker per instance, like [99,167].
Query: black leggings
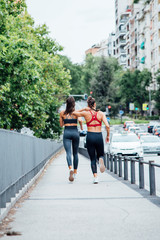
[71,139]
[95,148]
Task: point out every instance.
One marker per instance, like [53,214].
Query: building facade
[112,45]
[122,15]
[93,50]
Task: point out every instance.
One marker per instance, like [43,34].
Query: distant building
[93,50]
[103,49]
[111,45]
[155,37]
[122,14]
[144,38]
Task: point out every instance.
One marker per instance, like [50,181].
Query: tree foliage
[89,70]
[104,84]
[33,81]
[76,81]
[134,87]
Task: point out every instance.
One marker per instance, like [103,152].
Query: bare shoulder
[101,113]
[62,113]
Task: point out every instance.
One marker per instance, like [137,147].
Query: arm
[79,114]
[80,123]
[61,119]
[83,109]
[107,127]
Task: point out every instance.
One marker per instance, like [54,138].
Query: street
[146,157]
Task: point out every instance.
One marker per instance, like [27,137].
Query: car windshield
[150,139]
[125,138]
[140,131]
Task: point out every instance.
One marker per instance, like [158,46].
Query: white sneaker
[71,175]
[75,175]
[102,166]
[95,181]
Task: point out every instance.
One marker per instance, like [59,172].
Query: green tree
[75,70]
[134,87]
[101,84]
[33,82]
[89,70]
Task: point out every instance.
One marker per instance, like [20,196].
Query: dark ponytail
[91,101]
[70,105]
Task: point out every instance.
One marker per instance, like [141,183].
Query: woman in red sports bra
[94,141]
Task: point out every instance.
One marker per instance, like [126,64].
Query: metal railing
[119,165]
[21,158]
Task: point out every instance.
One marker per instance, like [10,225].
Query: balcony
[122,51]
[124,20]
[142,46]
[122,42]
[143,60]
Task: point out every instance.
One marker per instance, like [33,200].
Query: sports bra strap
[94,118]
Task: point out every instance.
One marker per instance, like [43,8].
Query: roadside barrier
[21,158]
[114,164]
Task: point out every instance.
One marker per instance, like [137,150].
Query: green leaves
[134,87]
[32,77]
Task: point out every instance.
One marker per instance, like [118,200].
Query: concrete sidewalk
[59,210]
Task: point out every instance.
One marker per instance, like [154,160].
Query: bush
[155,117]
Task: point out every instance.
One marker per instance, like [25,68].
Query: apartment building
[155,34]
[93,50]
[144,38]
[111,45]
[103,48]
[122,15]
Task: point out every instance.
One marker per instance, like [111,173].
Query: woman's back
[94,120]
[69,119]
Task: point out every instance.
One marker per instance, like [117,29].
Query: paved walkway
[59,210]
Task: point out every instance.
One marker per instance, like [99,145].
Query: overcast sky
[75,24]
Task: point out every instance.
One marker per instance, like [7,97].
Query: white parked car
[151,144]
[133,129]
[126,144]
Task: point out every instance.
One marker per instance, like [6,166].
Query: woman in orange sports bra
[94,141]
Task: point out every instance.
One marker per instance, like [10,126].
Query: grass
[118,121]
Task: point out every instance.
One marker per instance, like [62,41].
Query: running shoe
[75,175]
[102,166]
[71,176]
[95,181]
